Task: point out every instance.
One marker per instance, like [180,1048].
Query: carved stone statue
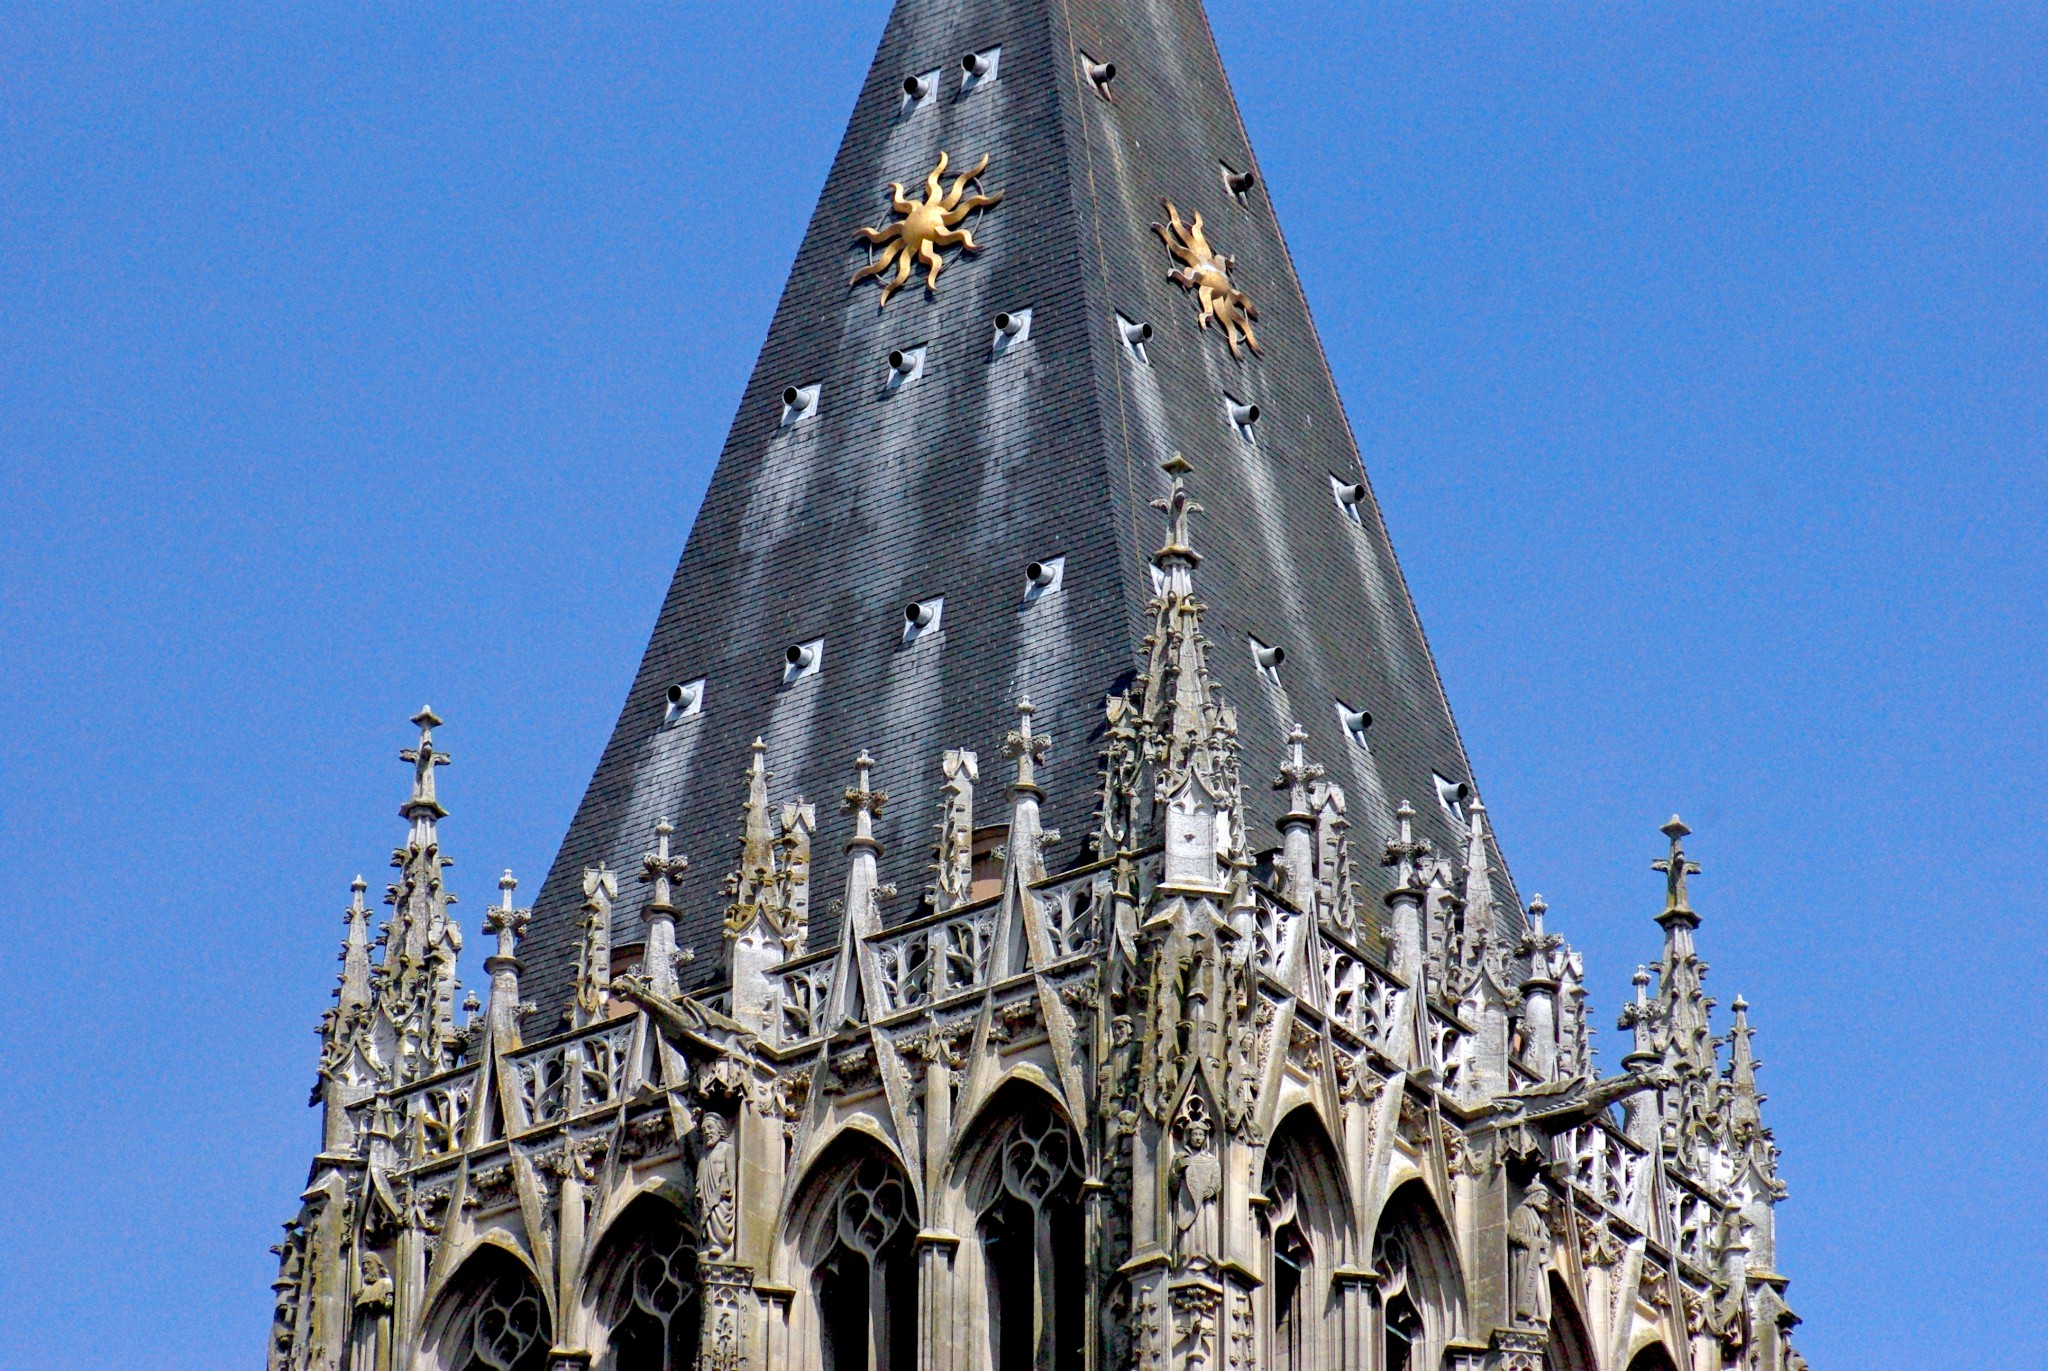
[715,1172]
[371,1350]
[1201,1181]
[1528,1241]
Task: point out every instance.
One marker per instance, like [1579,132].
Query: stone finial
[1027,748]
[864,802]
[594,951]
[1178,506]
[1640,1016]
[1298,774]
[424,758]
[953,869]
[1676,867]
[1540,945]
[1406,852]
[662,870]
[506,924]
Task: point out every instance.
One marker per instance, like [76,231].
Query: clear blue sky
[351,358]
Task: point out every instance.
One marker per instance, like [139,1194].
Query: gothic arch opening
[1306,1224]
[1652,1358]
[1570,1347]
[491,1317]
[1022,1175]
[1421,1301]
[644,1290]
[855,1225]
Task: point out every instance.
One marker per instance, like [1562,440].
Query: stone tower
[1034,912]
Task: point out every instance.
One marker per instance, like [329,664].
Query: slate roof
[952,484]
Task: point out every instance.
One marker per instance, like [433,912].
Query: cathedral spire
[347,1068]
[1684,1012]
[416,982]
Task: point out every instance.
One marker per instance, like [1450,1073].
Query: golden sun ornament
[1207,273]
[925,228]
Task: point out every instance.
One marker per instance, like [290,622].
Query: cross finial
[1404,851]
[1676,868]
[1298,773]
[424,758]
[1027,747]
[1178,505]
[505,922]
[659,869]
[864,802]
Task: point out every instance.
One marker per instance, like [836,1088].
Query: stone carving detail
[1529,1249]
[1200,1180]
[717,1176]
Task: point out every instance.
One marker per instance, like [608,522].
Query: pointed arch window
[657,1300]
[1293,1260]
[867,1283]
[1033,1249]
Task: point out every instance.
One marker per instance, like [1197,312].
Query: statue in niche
[715,1172]
[1201,1180]
[372,1351]
[1528,1240]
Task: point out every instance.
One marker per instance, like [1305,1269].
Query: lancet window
[1304,1224]
[1421,1299]
[866,1284]
[648,1295]
[1032,1245]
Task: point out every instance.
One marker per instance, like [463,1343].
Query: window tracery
[867,1283]
[509,1329]
[1033,1248]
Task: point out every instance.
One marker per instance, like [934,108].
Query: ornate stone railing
[1360,996]
[435,1115]
[572,1076]
[952,952]
[1610,1168]
[935,957]
[803,991]
[1275,926]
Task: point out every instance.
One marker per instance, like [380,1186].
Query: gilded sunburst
[1206,272]
[925,228]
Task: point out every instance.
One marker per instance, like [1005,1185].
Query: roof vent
[685,701]
[1043,578]
[1242,416]
[1012,327]
[799,403]
[921,618]
[1135,336]
[905,366]
[918,92]
[803,659]
[1267,658]
[977,69]
[1100,74]
[1350,498]
[1354,722]
[1452,795]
